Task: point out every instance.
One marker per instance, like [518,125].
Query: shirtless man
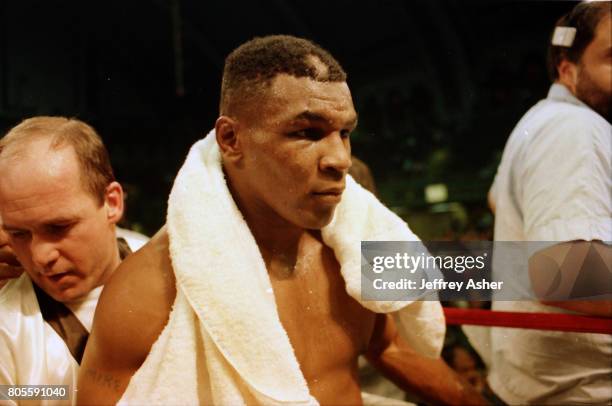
[283,132]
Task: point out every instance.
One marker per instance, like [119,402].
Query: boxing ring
[538,321]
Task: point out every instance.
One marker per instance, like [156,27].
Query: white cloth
[134,239]
[553,184]
[224,343]
[31,352]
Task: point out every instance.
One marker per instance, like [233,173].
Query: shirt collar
[559,92]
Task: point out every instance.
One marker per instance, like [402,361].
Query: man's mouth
[330,191]
[332,195]
[56,278]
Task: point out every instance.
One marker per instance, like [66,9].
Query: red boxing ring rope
[539,321]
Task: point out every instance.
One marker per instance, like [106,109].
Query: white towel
[224,343]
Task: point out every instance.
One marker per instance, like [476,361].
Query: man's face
[61,235]
[594,82]
[297,151]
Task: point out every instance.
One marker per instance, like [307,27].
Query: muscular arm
[554,273]
[430,379]
[132,311]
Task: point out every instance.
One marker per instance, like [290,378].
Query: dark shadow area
[438,84]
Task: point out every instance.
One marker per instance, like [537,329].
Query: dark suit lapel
[63,321]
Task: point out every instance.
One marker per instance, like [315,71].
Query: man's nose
[337,153]
[44,254]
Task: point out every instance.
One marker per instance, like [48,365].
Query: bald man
[59,203]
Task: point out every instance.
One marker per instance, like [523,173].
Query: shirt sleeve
[7,367]
[567,181]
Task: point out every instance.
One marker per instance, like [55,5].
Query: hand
[9,266]
[435,382]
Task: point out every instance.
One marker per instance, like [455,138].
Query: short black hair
[584,18]
[252,66]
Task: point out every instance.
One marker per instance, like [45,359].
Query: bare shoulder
[131,314]
[135,303]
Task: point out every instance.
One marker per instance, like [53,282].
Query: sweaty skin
[327,328]
[129,318]
[305,130]
[286,168]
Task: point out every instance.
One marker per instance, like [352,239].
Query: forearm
[430,379]
[99,387]
[601,308]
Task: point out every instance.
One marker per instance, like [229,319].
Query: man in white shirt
[59,203]
[554,185]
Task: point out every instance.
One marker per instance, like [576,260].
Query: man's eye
[345,133]
[308,133]
[18,235]
[59,228]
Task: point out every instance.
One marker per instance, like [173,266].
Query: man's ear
[227,138]
[568,74]
[113,202]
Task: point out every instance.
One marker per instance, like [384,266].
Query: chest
[327,328]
